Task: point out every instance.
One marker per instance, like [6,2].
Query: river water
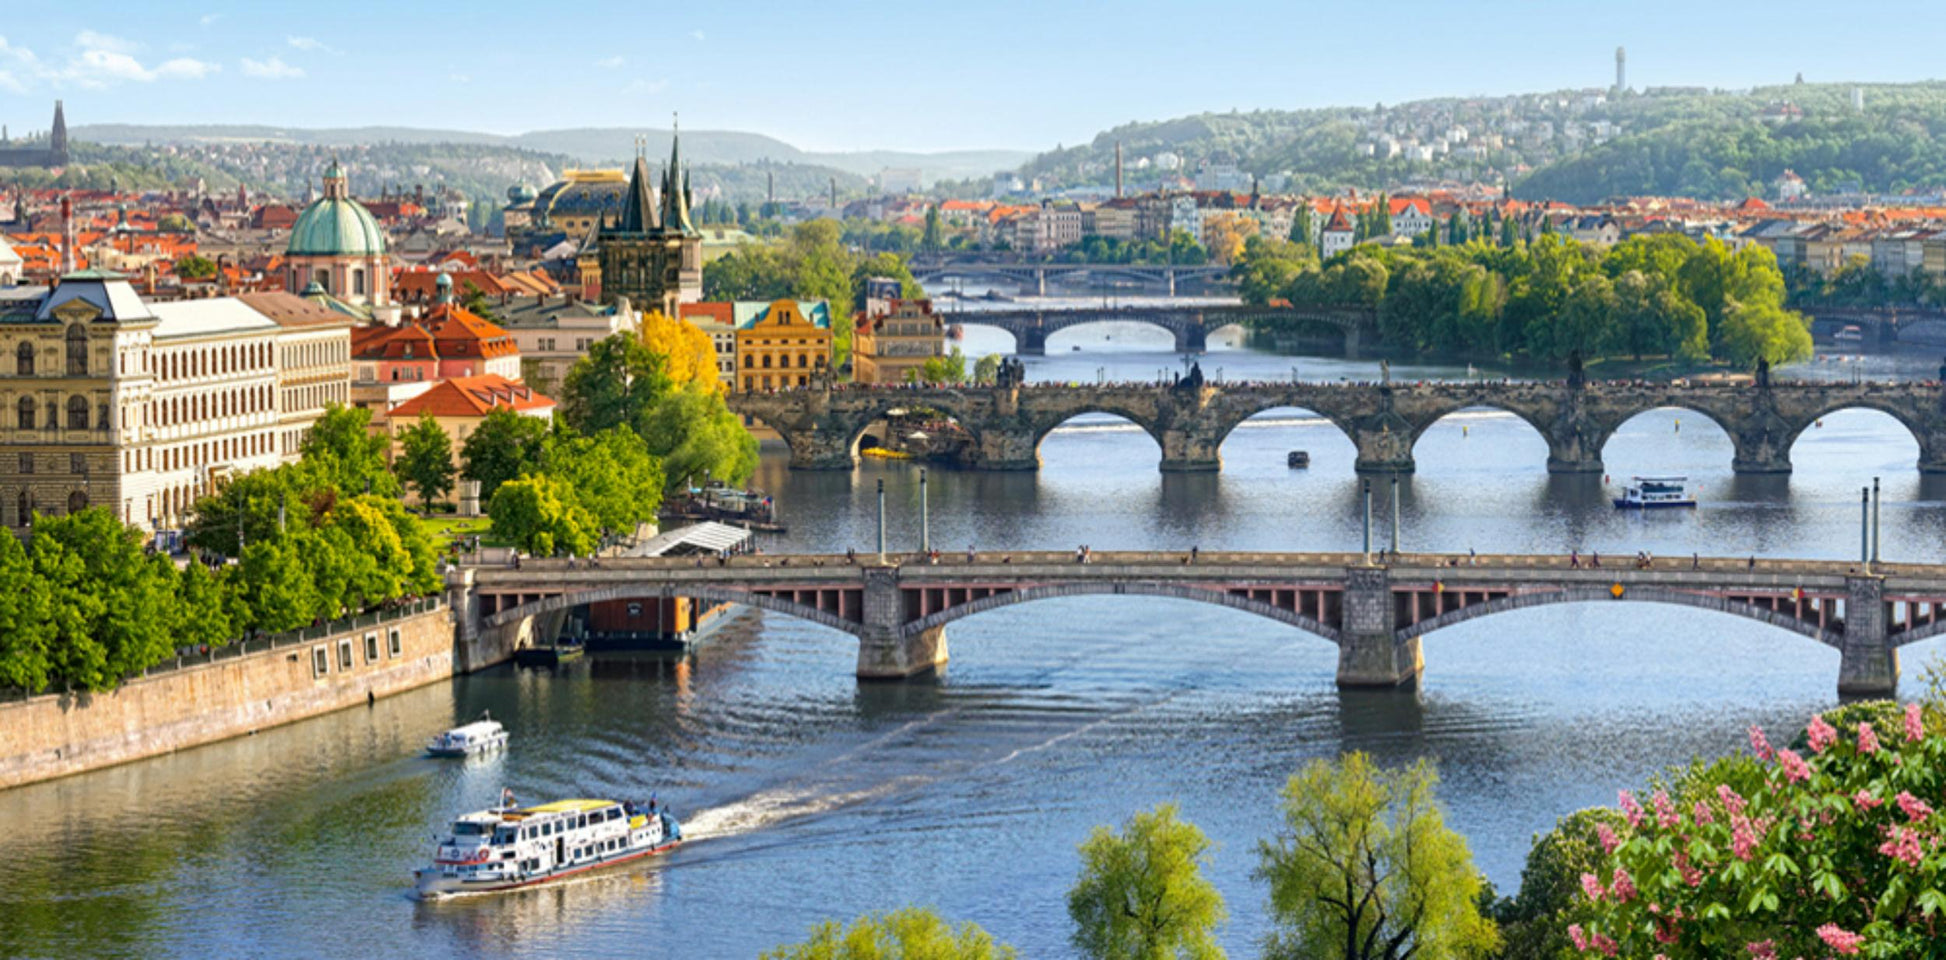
[808,796]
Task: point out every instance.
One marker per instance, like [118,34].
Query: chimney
[1118,169]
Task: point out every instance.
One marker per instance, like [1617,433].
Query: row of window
[314,396]
[27,414]
[321,654]
[24,506]
[297,355]
[193,409]
[77,352]
[207,452]
[803,360]
[183,363]
[766,383]
[77,464]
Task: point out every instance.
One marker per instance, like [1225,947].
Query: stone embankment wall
[230,693]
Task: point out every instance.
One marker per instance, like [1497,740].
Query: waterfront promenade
[1375,612]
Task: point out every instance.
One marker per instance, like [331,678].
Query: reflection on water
[810,796]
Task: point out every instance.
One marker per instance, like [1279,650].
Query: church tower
[57,139]
[653,255]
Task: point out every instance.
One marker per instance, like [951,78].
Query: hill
[1574,145]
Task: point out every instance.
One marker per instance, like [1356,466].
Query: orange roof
[472,397]
[722,312]
[420,284]
[1337,223]
[459,332]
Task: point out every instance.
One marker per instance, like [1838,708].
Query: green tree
[27,627]
[174,223]
[113,606]
[950,368]
[1534,925]
[908,934]
[426,459]
[693,432]
[210,608]
[612,475]
[988,369]
[934,238]
[348,455]
[1753,332]
[278,591]
[196,267]
[613,385]
[541,515]
[501,448]
[1301,222]
[1365,868]
[1142,894]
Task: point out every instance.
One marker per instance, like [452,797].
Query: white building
[10,264]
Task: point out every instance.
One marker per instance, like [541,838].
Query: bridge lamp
[881,520]
[1368,521]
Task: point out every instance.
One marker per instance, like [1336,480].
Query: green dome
[336,227]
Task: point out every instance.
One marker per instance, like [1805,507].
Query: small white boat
[1655,493]
[509,846]
[479,736]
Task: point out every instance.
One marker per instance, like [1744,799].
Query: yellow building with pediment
[787,345]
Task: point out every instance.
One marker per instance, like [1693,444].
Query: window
[77,351]
[78,464]
[392,640]
[358,281]
[27,463]
[25,412]
[320,661]
[344,654]
[371,648]
[24,360]
[77,412]
[77,502]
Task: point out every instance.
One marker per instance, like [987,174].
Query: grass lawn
[449,526]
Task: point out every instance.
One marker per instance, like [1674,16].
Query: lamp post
[1395,517]
[1875,519]
[881,521]
[1368,522]
[1865,528]
[925,518]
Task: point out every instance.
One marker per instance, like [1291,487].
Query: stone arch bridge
[1032,278]
[1384,420]
[1191,325]
[1375,613]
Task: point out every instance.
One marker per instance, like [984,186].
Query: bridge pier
[1192,339]
[1370,651]
[1869,667]
[1186,452]
[1031,342]
[1762,445]
[886,651]
[1571,456]
[1384,446]
[998,448]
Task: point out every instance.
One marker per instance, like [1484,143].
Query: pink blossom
[1631,809]
[1622,886]
[1865,800]
[1904,847]
[1867,740]
[1840,939]
[1821,733]
[1915,727]
[1607,837]
[1703,814]
[1914,807]
[1608,947]
[1690,875]
[1591,885]
[1580,939]
[1665,811]
[1795,769]
[1759,743]
[1731,802]
[1743,837]
[1762,950]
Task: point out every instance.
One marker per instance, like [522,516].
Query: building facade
[313,363]
[654,255]
[894,346]
[337,244]
[785,346]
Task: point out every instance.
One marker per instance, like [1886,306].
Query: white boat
[509,846]
[1655,493]
[479,736]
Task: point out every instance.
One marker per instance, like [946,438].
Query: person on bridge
[970,555]
[1594,559]
[1194,552]
[1574,559]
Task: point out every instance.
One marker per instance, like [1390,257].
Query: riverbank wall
[234,691]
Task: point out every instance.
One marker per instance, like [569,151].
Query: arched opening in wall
[1100,443]
[976,339]
[1668,441]
[1289,442]
[1851,446]
[1117,336]
[1229,336]
[914,431]
[1479,443]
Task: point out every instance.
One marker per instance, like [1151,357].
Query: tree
[693,432]
[113,606]
[426,459]
[196,267]
[1365,868]
[1831,851]
[1142,894]
[908,934]
[501,448]
[1753,332]
[27,629]
[541,515]
[278,592]
[1534,925]
[619,379]
[1301,222]
[686,353]
[950,368]
[1224,237]
[347,454]
[611,474]
[932,239]
[211,611]
[174,223]
[988,369]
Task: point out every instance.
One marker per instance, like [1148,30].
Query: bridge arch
[1228,427]
[1684,419]
[1137,588]
[1808,428]
[1538,429]
[1040,430]
[567,601]
[1634,594]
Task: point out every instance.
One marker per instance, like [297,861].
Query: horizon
[226,63]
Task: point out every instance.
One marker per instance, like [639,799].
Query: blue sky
[841,75]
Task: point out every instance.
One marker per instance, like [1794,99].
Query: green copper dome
[336,226]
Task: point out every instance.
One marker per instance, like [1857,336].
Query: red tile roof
[472,397]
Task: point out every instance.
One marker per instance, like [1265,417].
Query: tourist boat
[1298,459]
[1654,493]
[479,736]
[882,453]
[1850,334]
[509,846]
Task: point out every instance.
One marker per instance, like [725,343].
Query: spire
[57,137]
[334,182]
[638,207]
[675,187]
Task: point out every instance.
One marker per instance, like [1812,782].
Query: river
[808,796]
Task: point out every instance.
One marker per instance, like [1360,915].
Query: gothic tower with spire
[653,255]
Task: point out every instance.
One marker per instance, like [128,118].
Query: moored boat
[510,846]
[479,736]
[1654,493]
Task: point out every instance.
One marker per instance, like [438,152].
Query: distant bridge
[1191,325]
[1383,420]
[1032,278]
[1374,613]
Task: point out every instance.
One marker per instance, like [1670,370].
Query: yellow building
[786,345]
[893,347]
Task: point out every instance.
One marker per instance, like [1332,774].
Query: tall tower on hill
[1621,69]
[57,139]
